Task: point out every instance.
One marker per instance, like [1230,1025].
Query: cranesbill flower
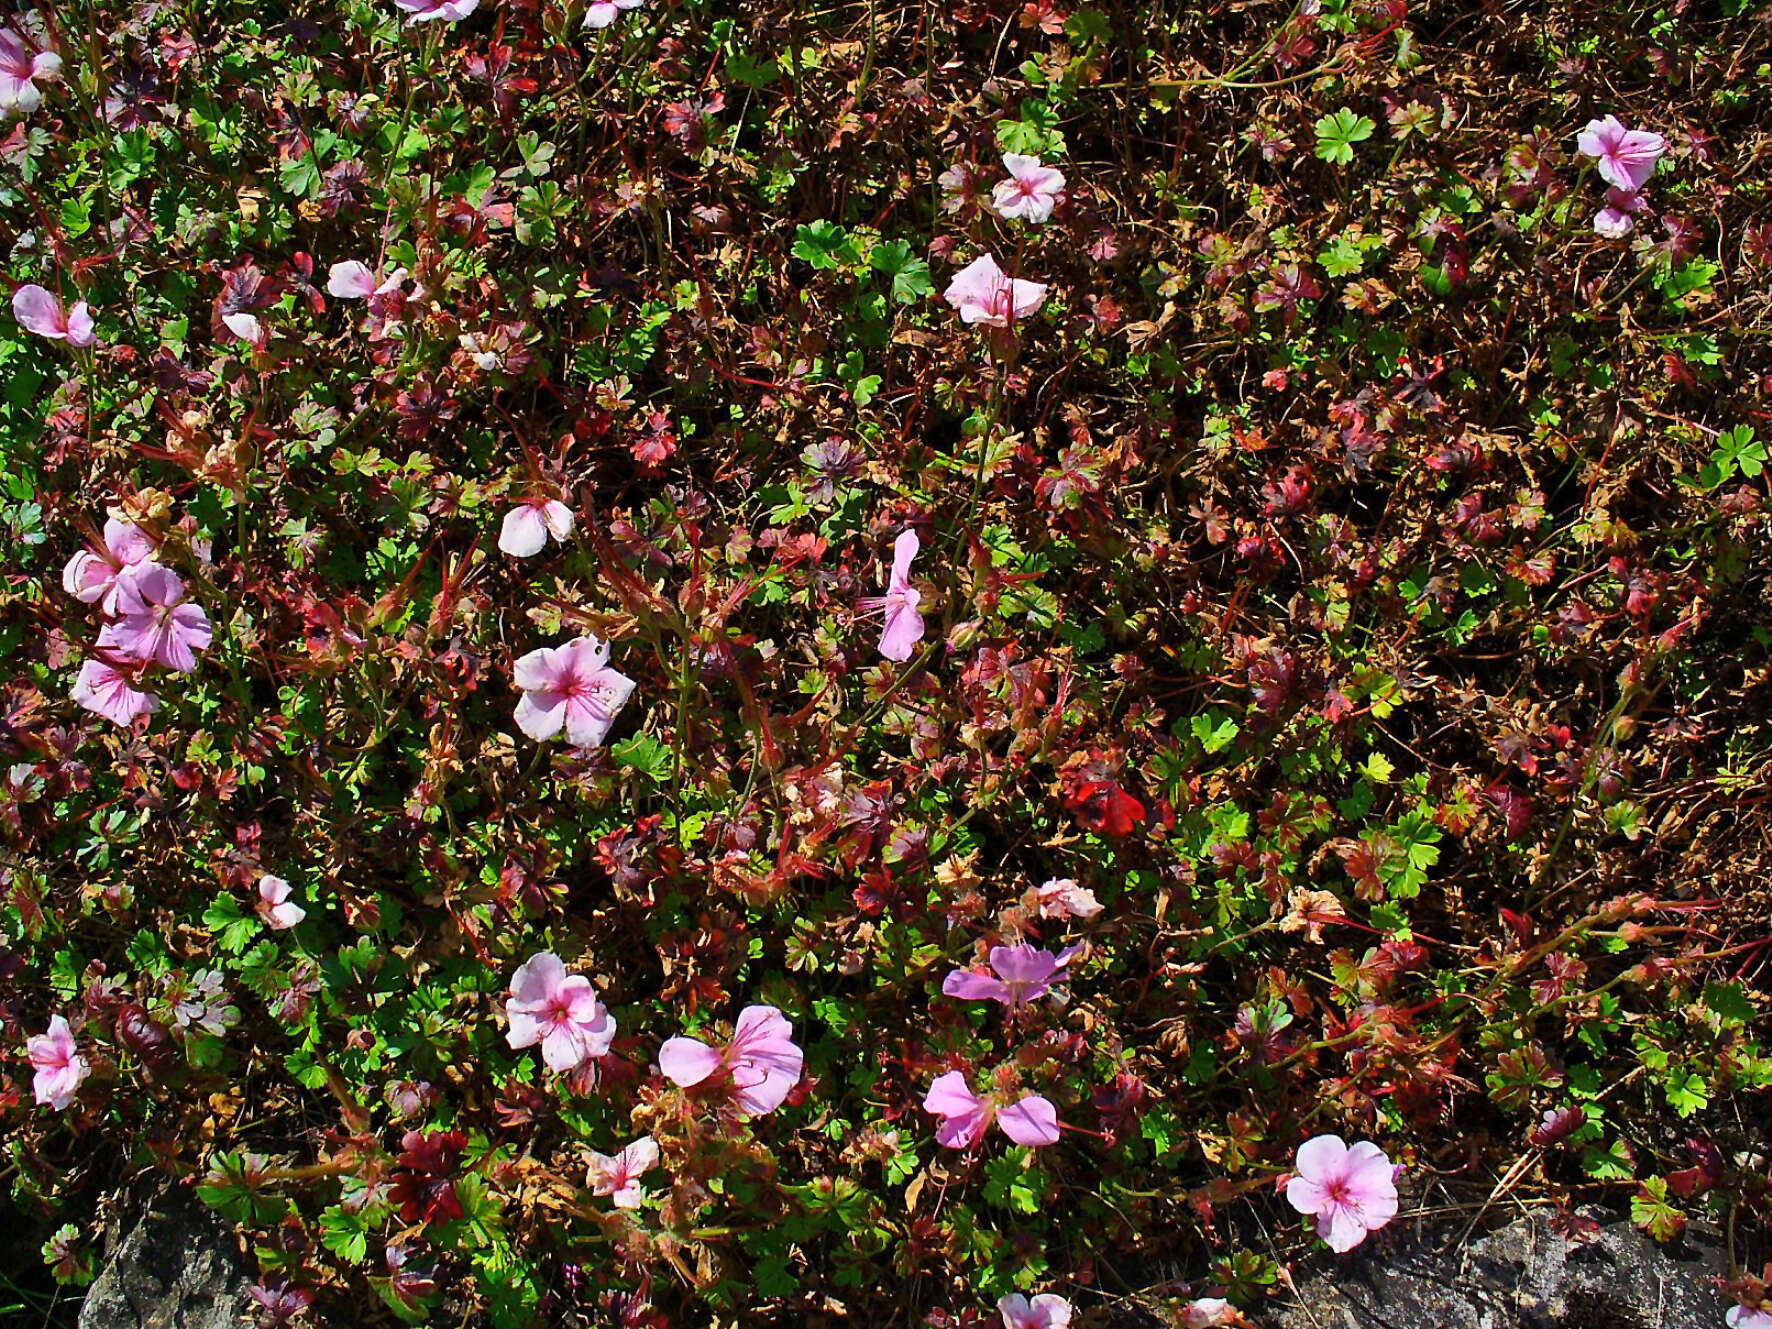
[95,576]
[559,1011]
[1617,219]
[1208,1313]
[1023,974]
[273,904]
[1351,1191]
[904,625]
[38,311]
[570,688]
[20,69]
[1626,157]
[155,621]
[1747,1317]
[60,1067]
[966,1116]
[1046,1311]
[984,293]
[528,525]
[604,12]
[426,11]
[618,1176]
[1063,898]
[351,280]
[109,690]
[1030,192]
[760,1065]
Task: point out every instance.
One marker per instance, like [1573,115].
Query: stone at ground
[177,1266]
[1523,1276]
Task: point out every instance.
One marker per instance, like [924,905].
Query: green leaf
[233,930]
[825,245]
[1337,134]
[645,754]
[344,1233]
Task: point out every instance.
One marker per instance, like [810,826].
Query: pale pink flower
[59,1065]
[528,525]
[760,1065]
[1747,1317]
[1208,1313]
[38,311]
[966,1116]
[1352,1191]
[273,904]
[96,576]
[904,625]
[570,688]
[1046,1311]
[1023,974]
[984,293]
[107,690]
[155,621]
[1063,898]
[618,1176]
[247,327]
[604,12]
[1030,192]
[351,280]
[20,68]
[1616,219]
[425,11]
[559,1011]
[1626,157]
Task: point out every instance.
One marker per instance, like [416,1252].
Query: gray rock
[178,1267]
[1523,1276]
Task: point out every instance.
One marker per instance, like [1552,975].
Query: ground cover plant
[676,663]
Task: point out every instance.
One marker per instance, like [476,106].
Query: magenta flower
[1616,219]
[1063,898]
[760,1065]
[1023,974]
[96,576]
[425,11]
[528,525]
[59,1065]
[20,68]
[570,688]
[105,689]
[1046,1311]
[904,625]
[1626,157]
[965,1116]
[984,293]
[618,1176]
[1030,192]
[1352,1191]
[273,904]
[604,12]
[38,311]
[558,1011]
[155,621]
[351,280]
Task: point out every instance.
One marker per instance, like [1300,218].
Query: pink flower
[904,625]
[40,312]
[1024,973]
[20,67]
[1614,221]
[984,293]
[570,688]
[1046,1311]
[1063,898]
[761,1063]
[965,1116]
[527,526]
[618,1177]
[351,280]
[604,12]
[1626,157]
[246,327]
[1351,1191]
[1207,1313]
[107,690]
[1747,1317]
[1031,190]
[450,11]
[96,576]
[273,904]
[155,622]
[60,1067]
[558,1011]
